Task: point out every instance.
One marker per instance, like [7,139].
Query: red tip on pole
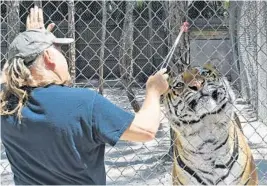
[185,26]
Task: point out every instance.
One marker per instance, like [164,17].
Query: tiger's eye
[179,85]
[204,73]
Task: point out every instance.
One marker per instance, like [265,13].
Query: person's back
[56,141]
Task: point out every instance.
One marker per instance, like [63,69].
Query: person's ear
[49,62]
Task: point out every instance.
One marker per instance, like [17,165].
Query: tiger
[209,145]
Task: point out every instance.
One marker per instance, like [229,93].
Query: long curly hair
[13,96]
[17,86]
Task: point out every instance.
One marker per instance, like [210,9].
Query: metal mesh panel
[118,44]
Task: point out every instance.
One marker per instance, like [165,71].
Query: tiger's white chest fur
[206,146]
[209,153]
[203,139]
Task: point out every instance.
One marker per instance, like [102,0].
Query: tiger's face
[197,94]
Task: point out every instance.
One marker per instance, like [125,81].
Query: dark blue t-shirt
[62,136]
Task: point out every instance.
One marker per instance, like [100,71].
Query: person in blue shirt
[55,134]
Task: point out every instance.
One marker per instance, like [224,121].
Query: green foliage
[139,3]
[226,4]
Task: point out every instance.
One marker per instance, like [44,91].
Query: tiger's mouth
[214,95]
[214,112]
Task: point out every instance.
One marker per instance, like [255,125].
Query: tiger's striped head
[198,95]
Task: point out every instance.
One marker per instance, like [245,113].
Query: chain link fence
[118,44]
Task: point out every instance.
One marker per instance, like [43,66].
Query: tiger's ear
[212,68]
[209,66]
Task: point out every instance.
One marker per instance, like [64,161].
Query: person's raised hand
[35,20]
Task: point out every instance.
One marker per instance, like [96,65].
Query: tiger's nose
[195,85]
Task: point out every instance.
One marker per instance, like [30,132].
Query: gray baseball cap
[30,44]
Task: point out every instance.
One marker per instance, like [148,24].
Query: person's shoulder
[77,91]
[70,93]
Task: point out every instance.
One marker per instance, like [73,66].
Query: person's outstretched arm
[146,122]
